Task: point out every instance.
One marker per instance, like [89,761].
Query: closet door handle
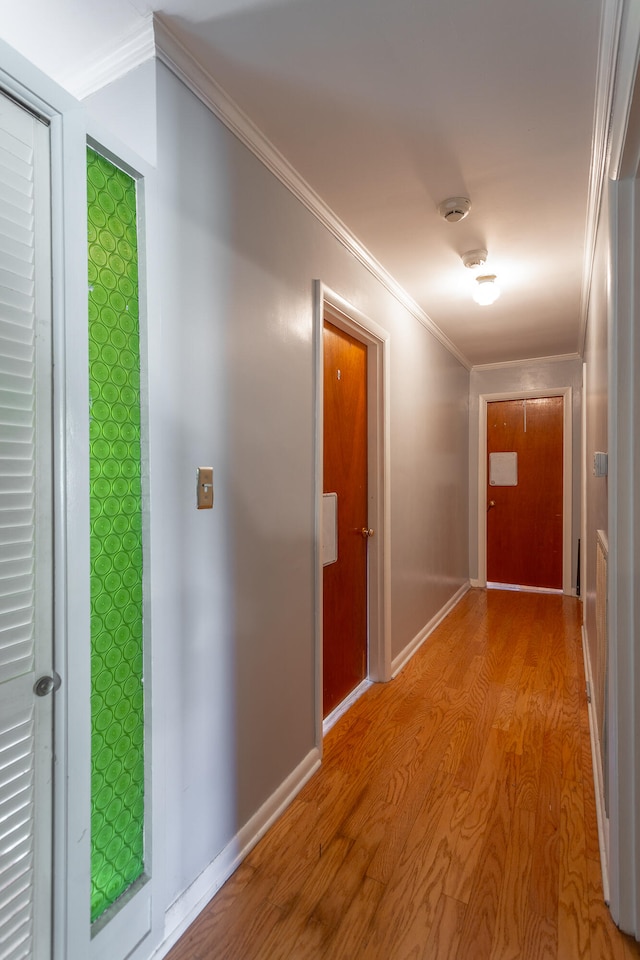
[46,685]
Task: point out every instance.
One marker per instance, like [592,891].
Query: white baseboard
[332,718]
[192,901]
[405,655]
[476,583]
[598,780]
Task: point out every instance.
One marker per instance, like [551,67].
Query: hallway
[453,816]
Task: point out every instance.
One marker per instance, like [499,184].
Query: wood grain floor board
[545,864]
[469,827]
[480,709]
[291,926]
[521,711]
[509,931]
[592,845]
[356,925]
[416,821]
[486,881]
[541,938]
[404,920]
[573,902]
[605,938]
[453,817]
[444,937]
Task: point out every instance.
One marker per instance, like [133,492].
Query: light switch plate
[204,492]
[600,464]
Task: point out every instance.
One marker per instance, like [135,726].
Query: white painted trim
[134,49]
[521,588]
[567,475]
[331,719]
[192,901]
[129,921]
[130,924]
[624,142]
[598,780]
[414,645]
[174,55]
[507,364]
[623,707]
[610,26]
[623,673]
[71,522]
[583,486]
[349,318]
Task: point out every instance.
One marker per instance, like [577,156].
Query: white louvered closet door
[26,644]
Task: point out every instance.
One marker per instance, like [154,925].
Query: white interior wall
[596,410]
[135,127]
[230,366]
[537,375]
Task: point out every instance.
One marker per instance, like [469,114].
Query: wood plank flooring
[453,816]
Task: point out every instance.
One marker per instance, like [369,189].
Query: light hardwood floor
[453,816]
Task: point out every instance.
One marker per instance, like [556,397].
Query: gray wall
[596,402]
[230,367]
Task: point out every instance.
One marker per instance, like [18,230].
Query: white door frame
[623,674]
[352,321]
[567,475]
[29,86]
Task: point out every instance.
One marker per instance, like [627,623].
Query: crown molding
[134,49]
[624,149]
[558,358]
[608,49]
[174,55]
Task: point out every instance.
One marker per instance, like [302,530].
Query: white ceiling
[387,107]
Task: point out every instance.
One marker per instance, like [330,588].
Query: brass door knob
[492,503]
[367,532]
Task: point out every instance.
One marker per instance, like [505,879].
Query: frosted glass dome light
[487,290]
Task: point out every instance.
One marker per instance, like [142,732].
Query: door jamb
[346,317]
[567,476]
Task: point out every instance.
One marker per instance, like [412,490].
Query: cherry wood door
[345,473]
[524,522]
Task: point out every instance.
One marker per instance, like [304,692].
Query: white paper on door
[503,469]
[329,528]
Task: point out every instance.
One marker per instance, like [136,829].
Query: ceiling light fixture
[454,209]
[487,290]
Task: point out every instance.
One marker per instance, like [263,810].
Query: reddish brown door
[345,473]
[524,522]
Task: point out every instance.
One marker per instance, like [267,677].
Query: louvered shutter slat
[16,168]
[15,198]
[15,332]
[17,209]
[16,584]
[23,142]
[17,449]
[16,659]
[18,266]
[15,281]
[16,840]
[11,400]
[22,252]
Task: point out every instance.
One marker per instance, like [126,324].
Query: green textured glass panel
[117,709]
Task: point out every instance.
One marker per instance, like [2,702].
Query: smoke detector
[474,259]
[454,209]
